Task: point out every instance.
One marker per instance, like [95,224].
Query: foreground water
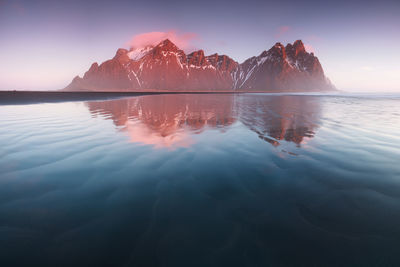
[202,180]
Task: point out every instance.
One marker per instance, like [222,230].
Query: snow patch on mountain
[166,67]
[138,53]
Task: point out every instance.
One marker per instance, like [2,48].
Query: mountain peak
[279,45]
[299,45]
[278,50]
[198,52]
[298,42]
[121,51]
[197,58]
[293,50]
[167,45]
[122,55]
[166,67]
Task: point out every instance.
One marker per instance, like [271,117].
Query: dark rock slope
[165,67]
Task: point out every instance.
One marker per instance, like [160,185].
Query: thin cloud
[314,38]
[282,30]
[367,68]
[309,48]
[182,40]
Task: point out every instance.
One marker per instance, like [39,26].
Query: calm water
[202,180]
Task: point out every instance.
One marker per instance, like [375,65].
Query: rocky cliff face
[166,67]
[281,68]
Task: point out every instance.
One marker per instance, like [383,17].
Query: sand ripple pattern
[202,180]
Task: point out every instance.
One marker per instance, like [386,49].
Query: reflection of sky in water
[201,180]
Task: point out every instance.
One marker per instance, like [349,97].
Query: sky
[44,44]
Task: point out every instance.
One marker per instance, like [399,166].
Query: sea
[202,180]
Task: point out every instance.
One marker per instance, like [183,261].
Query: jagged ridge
[166,67]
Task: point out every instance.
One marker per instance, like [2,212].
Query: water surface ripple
[202,180]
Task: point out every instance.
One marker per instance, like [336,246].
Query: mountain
[166,67]
[289,68]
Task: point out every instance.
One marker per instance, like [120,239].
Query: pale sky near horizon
[44,44]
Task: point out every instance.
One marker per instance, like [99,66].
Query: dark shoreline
[34,97]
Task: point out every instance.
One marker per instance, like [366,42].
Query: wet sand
[33,97]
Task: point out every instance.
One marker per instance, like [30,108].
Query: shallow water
[202,180]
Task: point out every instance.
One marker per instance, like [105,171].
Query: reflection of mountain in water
[170,120]
[274,118]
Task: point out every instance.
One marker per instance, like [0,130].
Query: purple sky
[44,44]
